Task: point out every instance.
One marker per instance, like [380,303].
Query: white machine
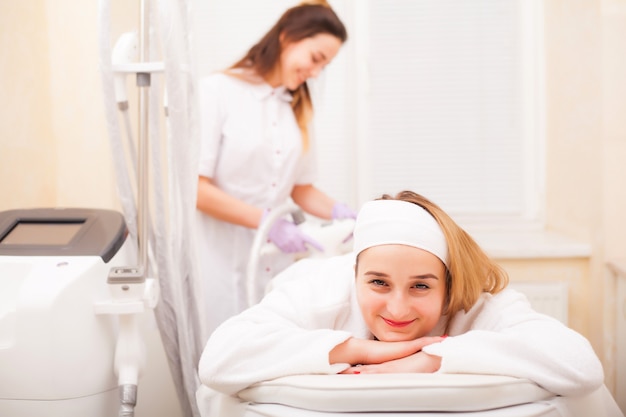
[70,342]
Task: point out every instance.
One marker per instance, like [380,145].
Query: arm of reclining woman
[373,356]
[504,336]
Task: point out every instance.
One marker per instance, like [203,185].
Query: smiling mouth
[393,323]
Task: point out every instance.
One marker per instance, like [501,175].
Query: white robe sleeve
[503,335]
[289,332]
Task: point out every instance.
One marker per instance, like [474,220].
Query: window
[444,96]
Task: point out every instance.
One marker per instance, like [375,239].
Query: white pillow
[395,392]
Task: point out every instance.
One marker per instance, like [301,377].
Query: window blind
[445,115]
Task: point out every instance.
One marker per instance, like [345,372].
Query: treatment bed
[408,395]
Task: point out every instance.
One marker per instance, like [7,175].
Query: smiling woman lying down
[416,295]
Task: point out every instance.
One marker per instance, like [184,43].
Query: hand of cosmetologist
[342,211]
[290,239]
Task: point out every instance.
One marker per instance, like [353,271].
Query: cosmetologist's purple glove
[342,211]
[290,239]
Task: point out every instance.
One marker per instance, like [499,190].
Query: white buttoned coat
[251,147]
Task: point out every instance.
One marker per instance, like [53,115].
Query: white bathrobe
[312,308]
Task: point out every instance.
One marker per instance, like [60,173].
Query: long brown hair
[470,271]
[303,21]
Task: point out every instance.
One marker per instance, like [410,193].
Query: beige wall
[612,244]
[586,129]
[575,186]
[27,168]
[614,127]
[54,147]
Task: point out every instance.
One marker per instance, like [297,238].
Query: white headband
[388,222]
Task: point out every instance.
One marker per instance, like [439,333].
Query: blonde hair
[470,271]
[306,20]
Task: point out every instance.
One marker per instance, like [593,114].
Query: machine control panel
[61,232]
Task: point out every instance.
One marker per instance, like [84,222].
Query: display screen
[42,233]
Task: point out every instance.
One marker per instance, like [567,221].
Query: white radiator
[549,298]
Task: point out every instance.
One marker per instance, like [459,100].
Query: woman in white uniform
[416,295]
[256,153]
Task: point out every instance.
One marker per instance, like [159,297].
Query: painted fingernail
[444,336]
[357,372]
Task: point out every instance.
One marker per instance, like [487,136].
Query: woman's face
[401,291]
[306,58]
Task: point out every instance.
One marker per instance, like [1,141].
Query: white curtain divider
[172,183]
[181,288]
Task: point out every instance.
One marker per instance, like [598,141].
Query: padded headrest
[396,392]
